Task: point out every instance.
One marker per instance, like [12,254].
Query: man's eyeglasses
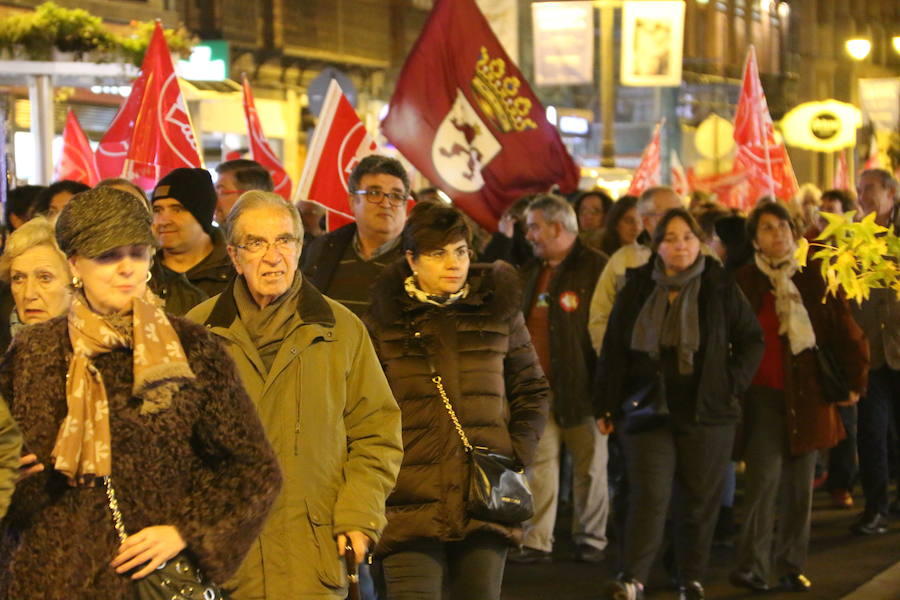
[283,244]
[377,196]
[441,254]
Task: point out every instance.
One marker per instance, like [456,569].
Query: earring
[76,283]
[149,276]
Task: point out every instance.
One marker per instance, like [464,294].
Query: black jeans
[473,569]
[877,411]
[843,466]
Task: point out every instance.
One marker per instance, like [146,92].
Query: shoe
[819,481]
[795,582]
[692,590]
[868,524]
[841,498]
[528,556]
[622,589]
[588,554]
[748,580]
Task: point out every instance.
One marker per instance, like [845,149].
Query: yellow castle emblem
[497,95]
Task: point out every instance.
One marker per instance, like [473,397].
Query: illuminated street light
[858,48]
[896,42]
[784,10]
[766,5]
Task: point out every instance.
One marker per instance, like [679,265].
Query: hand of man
[360,543]
[151,545]
[506,226]
[852,399]
[28,466]
[605,426]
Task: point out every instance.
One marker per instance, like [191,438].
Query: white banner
[563,42]
[503,15]
[880,102]
[652,43]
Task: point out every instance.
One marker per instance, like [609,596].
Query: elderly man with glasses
[310,369]
[344,263]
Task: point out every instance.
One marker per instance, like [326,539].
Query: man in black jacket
[344,263]
[558,287]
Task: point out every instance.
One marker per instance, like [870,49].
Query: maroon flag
[464,115]
[260,149]
[77,161]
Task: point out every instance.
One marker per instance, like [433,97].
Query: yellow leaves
[802,251]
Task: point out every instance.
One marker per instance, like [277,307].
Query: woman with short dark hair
[434,314]
[623,225]
[681,344]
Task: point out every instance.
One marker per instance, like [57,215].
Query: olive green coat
[10,449]
[335,426]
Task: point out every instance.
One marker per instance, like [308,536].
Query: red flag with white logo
[763,160]
[113,147]
[260,150]
[841,173]
[162,138]
[679,178]
[647,174]
[339,142]
[465,116]
[77,161]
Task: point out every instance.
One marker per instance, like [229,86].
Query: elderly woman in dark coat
[786,414]
[433,314]
[118,395]
[681,345]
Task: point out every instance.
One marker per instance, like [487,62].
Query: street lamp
[896,42]
[858,48]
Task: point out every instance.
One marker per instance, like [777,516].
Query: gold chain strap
[462,434]
[114,508]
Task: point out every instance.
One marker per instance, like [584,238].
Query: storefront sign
[208,62]
[652,41]
[821,126]
[563,42]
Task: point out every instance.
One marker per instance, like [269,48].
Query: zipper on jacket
[297,409]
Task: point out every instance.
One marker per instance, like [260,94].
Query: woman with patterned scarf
[432,314]
[787,416]
[681,345]
[116,397]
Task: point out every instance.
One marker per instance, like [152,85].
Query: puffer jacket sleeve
[745,336]
[374,444]
[527,391]
[10,450]
[231,496]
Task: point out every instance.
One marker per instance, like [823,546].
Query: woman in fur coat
[117,396]
[433,315]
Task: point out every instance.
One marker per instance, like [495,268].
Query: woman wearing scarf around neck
[117,389]
[786,415]
[682,343]
[432,313]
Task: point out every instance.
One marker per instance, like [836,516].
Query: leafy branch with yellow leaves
[856,257]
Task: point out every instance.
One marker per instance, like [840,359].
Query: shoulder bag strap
[438,383]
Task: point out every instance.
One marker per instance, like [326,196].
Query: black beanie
[194,189]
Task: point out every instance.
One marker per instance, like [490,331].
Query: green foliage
[857,257]
[134,46]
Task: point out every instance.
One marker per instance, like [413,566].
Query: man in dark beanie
[194,263]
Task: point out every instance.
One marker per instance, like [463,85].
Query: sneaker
[841,498]
[619,589]
[692,590]
[795,582]
[528,556]
[868,524]
[588,554]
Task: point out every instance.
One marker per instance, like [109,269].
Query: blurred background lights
[858,48]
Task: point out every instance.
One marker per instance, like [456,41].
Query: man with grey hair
[309,367]
[559,282]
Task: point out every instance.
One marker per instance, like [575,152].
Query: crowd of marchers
[203,376]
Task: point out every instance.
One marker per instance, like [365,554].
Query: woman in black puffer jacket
[432,314]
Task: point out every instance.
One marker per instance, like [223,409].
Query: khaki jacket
[335,426]
[10,449]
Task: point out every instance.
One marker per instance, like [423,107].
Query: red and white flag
[872,161]
[463,114]
[679,178]
[114,144]
[162,138]
[260,150]
[77,160]
[760,157]
[647,174]
[339,142]
[841,173]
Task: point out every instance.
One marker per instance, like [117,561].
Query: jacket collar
[311,307]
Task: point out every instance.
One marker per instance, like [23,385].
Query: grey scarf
[676,326]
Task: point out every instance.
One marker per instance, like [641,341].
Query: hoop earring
[76,283]
[149,276]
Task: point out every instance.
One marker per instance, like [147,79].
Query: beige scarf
[82,449]
[793,319]
[415,292]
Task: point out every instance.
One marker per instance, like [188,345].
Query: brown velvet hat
[100,219]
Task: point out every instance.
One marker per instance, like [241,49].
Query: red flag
[114,144]
[872,162]
[260,149]
[764,161]
[647,174]
[163,137]
[464,115]
[77,161]
[342,141]
[679,179]
[841,173]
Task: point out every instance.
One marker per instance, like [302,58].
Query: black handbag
[176,579]
[646,407]
[835,387]
[498,489]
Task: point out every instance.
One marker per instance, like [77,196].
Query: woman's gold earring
[149,276]
[76,283]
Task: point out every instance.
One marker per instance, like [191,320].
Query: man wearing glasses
[344,263]
[236,177]
[312,373]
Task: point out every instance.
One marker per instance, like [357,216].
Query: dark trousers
[843,466]
[877,410]
[693,457]
[473,569]
[777,483]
